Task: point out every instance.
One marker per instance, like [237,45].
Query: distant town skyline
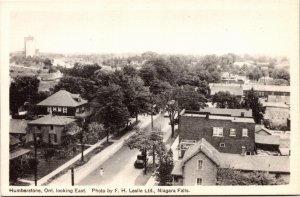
[191,27]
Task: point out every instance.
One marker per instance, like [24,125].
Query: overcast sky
[197,27]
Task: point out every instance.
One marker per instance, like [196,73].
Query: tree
[94,132]
[227,176]
[163,172]
[23,89]
[144,141]
[111,111]
[84,71]
[251,101]
[226,100]
[172,109]
[148,74]
[188,97]
[78,85]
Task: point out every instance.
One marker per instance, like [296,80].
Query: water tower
[29,46]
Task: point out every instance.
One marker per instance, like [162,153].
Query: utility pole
[151,113]
[72,176]
[81,139]
[35,159]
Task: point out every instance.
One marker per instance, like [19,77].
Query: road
[119,170]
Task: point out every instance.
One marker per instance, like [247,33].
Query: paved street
[119,169]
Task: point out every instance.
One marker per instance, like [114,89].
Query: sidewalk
[70,162]
[152,181]
[82,171]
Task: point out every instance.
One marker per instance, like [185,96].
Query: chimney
[207,116]
[242,114]
[243,151]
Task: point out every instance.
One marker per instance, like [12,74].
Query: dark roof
[267,139]
[231,112]
[13,140]
[52,120]
[17,153]
[18,126]
[63,98]
[234,89]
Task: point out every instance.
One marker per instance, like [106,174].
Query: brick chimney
[243,153]
[207,116]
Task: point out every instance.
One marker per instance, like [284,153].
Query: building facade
[228,133]
[200,165]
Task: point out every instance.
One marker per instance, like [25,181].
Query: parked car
[139,162]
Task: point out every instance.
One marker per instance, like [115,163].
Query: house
[63,103]
[226,129]
[201,162]
[228,78]
[18,129]
[51,128]
[271,142]
[276,113]
[265,90]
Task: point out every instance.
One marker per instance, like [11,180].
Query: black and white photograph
[149,97]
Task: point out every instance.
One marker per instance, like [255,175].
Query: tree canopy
[226,100]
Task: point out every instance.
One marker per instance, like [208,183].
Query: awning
[17,153]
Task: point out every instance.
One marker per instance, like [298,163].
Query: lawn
[46,167]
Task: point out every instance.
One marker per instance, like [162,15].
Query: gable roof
[63,98]
[231,112]
[267,139]
[13,140]
[204,147]
[18,126]
[52,120]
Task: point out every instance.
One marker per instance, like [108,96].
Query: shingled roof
[52,120]
[63,98]
[201,146]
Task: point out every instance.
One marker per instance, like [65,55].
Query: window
[54,108]
[218,131]
[77,110]
[199,181]
[39,127]
[52,138]
[199,164]
[245,132]
[248,153]
[51,127]
[65,110]
[232,132]
[48,109]
[222,144]
[59,109]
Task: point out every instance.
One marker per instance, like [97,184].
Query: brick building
[201,162]
[228,130]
